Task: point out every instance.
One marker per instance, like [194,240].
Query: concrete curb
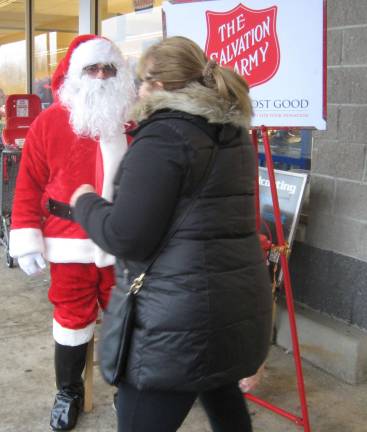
[331,345]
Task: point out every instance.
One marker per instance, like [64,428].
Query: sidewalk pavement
[27,381]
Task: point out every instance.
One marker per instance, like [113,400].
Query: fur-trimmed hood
[194,99]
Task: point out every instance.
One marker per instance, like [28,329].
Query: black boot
[69,365]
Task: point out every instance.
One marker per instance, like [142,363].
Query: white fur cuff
[24,241]
[70,337]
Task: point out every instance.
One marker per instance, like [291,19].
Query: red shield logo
[246,41]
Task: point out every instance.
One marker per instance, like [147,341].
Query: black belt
[60,209]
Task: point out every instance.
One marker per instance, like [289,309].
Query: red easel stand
[283,247]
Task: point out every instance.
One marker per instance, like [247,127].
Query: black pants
[165,411]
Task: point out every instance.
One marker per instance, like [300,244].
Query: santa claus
[78,139]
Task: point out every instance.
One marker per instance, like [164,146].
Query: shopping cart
[20,111]
[9,165]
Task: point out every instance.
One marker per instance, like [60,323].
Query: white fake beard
[98,108]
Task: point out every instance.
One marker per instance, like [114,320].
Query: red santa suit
[55,161]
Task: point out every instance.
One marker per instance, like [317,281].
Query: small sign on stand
[22,108]
[291,189]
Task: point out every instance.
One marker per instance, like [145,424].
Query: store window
[132,24]
[56,23]
[290,148]
[13,70]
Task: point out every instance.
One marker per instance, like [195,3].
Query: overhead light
[4,3]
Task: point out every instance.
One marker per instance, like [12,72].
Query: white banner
[276,45]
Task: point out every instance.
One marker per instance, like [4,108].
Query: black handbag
[118,319]
[116,331]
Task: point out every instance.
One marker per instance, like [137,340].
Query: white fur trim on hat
[92,52]
[70,337]
[23,241]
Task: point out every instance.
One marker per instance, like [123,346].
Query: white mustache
[98,108]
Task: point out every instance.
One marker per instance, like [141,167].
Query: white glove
[32,263]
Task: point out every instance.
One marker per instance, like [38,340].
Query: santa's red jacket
[55,161]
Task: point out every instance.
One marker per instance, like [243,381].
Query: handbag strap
[138,282]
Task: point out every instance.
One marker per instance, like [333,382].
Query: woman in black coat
[204,313]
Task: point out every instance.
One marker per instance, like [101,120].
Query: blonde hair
[178,61]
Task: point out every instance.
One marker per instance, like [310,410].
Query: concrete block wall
[335,249]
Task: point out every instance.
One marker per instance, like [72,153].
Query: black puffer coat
[204,312]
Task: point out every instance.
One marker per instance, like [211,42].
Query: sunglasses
[108,70]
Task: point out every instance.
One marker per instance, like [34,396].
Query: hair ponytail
[177,61]
[231,85]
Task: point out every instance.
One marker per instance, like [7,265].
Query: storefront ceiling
[60,15]
[48,15]
[11,20]
[58,8]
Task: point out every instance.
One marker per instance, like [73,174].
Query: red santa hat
[85,50]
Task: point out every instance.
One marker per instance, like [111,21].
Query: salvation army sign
[244,40]
[278,46]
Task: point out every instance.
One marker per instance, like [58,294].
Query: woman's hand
[81,190]
[250,383]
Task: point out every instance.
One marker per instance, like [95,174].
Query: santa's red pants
[76,291]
